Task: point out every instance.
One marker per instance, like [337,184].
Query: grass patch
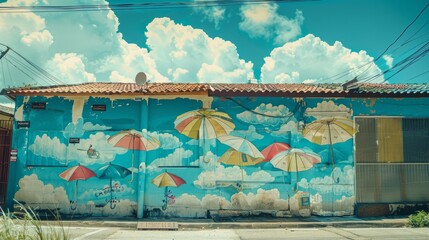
[28,225]
[419,219]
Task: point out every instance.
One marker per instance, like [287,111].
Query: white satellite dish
[141,78]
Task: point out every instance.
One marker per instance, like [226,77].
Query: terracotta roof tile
[303,90]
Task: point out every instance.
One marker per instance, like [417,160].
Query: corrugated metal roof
[302,90]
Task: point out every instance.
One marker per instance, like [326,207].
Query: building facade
[197,150]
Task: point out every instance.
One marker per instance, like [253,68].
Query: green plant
[29,226]
[420,219]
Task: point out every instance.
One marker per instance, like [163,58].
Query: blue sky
[309,41]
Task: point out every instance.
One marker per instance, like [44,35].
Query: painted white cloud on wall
[267,109]
[249,134]
[173,159]
[74,129]
[340,181]
[263,20]
[45,146]
[341,207]
[329,109]
[231,176]
[285,129]
[167,140]
[208,162]
[35,193]
[311,59]
[262,200]
[89,126]
[174,47]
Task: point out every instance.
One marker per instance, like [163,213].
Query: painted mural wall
[190,157]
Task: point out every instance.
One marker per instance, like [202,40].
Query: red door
[5,144]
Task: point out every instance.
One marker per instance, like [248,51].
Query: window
[392,160]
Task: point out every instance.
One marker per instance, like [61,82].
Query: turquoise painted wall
[96,178]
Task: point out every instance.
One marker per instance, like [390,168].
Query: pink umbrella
[77,173]
[273,149]
[134,140]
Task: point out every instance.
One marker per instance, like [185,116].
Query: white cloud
[173,159]
[212,13]
[107,152]
[249,134]
[53,148]
[329,109]
[341,207]
[36,194]
[167,140]
[231,176]
[266,109]
[389,60]
[284,130]
[74,129]
[263,20]
[208,162]
[262,200]
[311,59]
[175,47]
[69,67]
[91,49]
[340,181]
[89,126]
[49,147]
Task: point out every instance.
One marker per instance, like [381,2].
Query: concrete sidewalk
[246,223]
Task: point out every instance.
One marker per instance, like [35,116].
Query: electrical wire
[136,6]
[358,76]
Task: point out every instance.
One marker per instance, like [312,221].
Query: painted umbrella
[112,171]
[77,173]
[134,140]
[329,131]
[236,158]
[166,180]
[242,145]
[295,160]
[204,124]
[273,149]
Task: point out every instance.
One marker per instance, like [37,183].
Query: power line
[27,67]
[372,62]
[136,6]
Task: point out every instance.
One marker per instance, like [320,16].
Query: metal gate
[5,144]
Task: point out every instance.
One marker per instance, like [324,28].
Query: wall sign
[23,124]
[99,107]
[74,140]
[38,105]
[13,155]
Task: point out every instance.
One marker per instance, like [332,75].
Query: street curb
[246,225]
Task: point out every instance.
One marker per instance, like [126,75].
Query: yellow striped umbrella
[236,158]
[329,130]
[295,160]
[204,124]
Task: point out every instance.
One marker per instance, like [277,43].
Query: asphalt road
[81,233]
